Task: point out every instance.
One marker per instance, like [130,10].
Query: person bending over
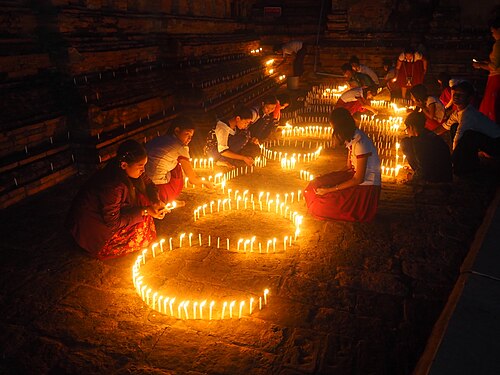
[360,68]
[230,143]
[112,214]
[430,106]
[263,123]
[169,157]
[351,194]
[355,100]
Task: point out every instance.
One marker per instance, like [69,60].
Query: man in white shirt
[475,131]
[297,48]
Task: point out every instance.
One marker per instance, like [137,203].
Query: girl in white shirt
[351,194]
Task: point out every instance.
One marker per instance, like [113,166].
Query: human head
[269,104]
[132,158]
[419,93]
[347,70]
[369,92]
[462,94]
[354,61]
[495,27]
[443,78]
[277,49]
[409,53]
[183,128]
[242,116]
[387,64]
[343,124]
[284,100]
[415,123]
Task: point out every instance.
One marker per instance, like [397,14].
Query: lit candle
[274,244]
[227,243]
[170,243]
[195,307]
[211,309]
[239,241]
[209,240]
[251,305]
[202,304]
[159,303]
[180,238]
[223,309]
[242,303]
[190,239]
[269,242]
[147,296]
[218,242]
[179,309]
[154,299]
[260,248]
[285,239]
[199,239]
[153,249]
[245,245]
[231,306]
[186,309]
[171,307]
[162,241]
[260,303]
[266,292]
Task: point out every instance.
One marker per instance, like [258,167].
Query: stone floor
[350,298]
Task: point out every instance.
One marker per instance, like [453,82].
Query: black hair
[388,62]
[419,92]
[269,99]
[243,112]
[131,152]
[409,50]
[465,87]
[495,22]
[370,90]
[284,98]
[343,123]
[445,79]
[346,67]
[181,122]
[354,60]
[416,120]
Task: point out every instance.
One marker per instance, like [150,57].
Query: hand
[477,65]
[321,191]
[255,140]
[208,184]
[248,160]
[156,212]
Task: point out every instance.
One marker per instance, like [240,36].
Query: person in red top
[112,214]
[410,70]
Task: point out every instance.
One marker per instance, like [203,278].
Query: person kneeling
[351,194]
[112,214]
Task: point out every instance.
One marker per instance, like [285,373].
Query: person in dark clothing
[357,79]
[427,153]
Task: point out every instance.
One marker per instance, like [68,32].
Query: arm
[358,178]
[233,155]
[191,174]
[429,111]
[366,104]
[425,62]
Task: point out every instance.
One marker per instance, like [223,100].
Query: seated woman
[351,194]
[355,100]
[112,214]
[230,143]
[426,152]
[169,156]
[430,106]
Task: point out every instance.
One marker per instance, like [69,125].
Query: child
[169,156]
[355,100]
[351,194]
[264,124]
[357,79]
[282,103]
[430,106]
[230,143]
[357,67]
[112,214]
[427,153]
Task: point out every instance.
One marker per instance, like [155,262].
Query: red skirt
[432,124]
[357,203]
[352,107]
[410,74]
[490,105]
[171,190]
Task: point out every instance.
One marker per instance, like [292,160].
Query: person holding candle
[356,99]
[490,105]
[169,157]
[430,106]
[427,153]
[351,194]
[112,214]
[230,143]
[358,79]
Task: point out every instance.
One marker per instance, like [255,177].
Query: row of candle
[318,108]
[307,131]
[256,51]
[203,163]
[297,143]
[278,155]
[306,175]
[220,179]
[299,119]
[167,304]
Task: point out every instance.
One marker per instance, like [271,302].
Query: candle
[186,310]
[154,299]
[201,308]
[284,242]
[211,309]
[162,241]
[260,248]
[266,292]
[153,248]
[223,309]
[171,308]
[195,306]
[199,239]
[180,238]
[218,242]
[231,306]
[179,309]
[245,245]
[165,301]
[209,240]
[227,243]
[242,303]
[251,305]
[170,243]
[190,239]
[274,244]
[159,303]
[147,296]
[260,303]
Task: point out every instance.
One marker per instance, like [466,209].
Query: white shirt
[368,71]
[291,47]
[439,113]
[362,145]
[352,95]
[222,132]
[416,56]
[471,119]
[163,156]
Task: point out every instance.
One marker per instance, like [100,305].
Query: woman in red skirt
[112,214]
[490,105]
[351,194]
[411,68]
